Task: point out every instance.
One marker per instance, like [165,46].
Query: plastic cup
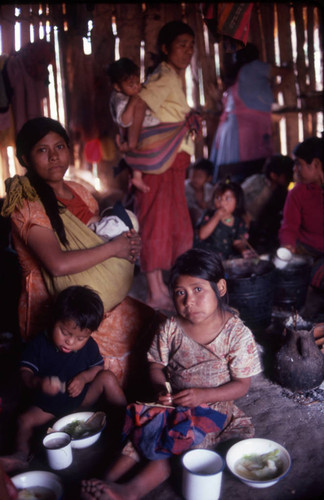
[58,450]
[202,474]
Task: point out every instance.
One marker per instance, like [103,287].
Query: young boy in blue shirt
[63,369]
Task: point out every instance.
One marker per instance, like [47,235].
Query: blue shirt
[45,360]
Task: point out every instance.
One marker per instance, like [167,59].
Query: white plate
[83,415]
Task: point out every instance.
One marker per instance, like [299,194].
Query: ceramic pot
[299,363]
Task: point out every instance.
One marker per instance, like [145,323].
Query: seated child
[265,196]
[63,369]
[207,356]
[198,188]
[124,76]
[223,229]
[302,228]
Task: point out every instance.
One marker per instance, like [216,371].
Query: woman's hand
[127,245]
[165,398]
[189,397]
[122,146]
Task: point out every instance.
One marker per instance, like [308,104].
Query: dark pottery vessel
[250,286]
[299,363]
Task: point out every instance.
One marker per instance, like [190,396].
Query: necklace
[229,219]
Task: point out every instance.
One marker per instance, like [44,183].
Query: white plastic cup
[58,450]
[282,258]
[202,474]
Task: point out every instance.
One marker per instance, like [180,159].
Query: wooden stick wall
[86,86]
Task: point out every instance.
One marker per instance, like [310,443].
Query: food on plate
[260,467]
[79,428]
[36,493]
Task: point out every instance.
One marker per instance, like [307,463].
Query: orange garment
[118,331]
[34,299]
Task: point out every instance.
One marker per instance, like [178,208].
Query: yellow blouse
[164,95]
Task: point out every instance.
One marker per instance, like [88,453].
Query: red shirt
[77,206]
[303,217]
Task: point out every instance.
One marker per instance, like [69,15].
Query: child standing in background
[223,230]
[198,188]
[125,78]
[208,356]
[63,369]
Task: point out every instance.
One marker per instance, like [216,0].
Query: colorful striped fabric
[159,145]
[229,20]
[158,432]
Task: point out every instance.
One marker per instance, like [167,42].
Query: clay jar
[299,363]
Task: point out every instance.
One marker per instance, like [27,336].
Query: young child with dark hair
[63,369]
[208,357]
[198,188]
[302,228]
[223,229]
[125,77]
[265,196]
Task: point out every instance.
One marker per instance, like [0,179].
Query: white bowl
[83,415]
[39,478]
[257,446]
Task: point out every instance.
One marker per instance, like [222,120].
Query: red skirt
[163,215]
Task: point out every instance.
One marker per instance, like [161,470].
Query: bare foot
[100,490]
[162,303]
[140,184]
[15,462]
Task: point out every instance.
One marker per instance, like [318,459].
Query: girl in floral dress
[208,357]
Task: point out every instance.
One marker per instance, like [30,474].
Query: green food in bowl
[78,429]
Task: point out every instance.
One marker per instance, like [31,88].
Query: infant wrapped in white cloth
[113,222]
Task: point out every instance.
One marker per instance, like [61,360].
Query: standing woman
[162,212]
[244,132]
[49,228]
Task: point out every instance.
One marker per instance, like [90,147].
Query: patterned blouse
[232,353]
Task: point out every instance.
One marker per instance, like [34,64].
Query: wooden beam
[288,85]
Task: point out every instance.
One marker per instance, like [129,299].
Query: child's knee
[107,377]
[25,421]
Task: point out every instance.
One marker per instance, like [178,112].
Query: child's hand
[189,397]
[75,386]
[51,385]
[248,254]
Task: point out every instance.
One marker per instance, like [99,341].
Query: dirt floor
[293,419]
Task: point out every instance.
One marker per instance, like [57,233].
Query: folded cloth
[111,279]
[159,145]
[159,432]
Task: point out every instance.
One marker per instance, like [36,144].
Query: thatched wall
[86,87]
